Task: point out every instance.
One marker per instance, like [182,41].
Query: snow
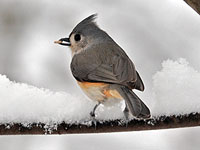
[175,91]
[22,103]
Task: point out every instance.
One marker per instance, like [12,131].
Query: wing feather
[103,63]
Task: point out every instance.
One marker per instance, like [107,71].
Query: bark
[195,4]
[163,122]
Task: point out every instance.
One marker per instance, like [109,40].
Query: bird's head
[84,35]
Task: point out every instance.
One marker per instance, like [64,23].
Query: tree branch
[195,4]
[163,122]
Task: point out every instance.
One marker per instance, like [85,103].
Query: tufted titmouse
[102,68]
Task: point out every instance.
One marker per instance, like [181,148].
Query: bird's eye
[77,37]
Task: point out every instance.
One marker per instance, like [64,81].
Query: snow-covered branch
[174,102]
[163,122]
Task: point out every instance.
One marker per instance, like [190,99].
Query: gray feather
[104,63]
[86,25]
[135,105]
[139,85]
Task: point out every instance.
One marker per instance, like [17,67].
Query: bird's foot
[94,121]
[126,121]
[126,116]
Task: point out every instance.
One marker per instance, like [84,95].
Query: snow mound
[176,89]
[22,103]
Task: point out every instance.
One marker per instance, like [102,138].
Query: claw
[92,114]
[94,122]
[126,115]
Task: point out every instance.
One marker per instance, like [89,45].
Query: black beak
[63,41]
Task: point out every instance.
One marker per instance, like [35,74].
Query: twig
[195,4]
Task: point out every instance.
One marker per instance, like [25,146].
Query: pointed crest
[87,21]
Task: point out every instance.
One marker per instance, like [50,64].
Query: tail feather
[135,105]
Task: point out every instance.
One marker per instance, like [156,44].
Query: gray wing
[104,63]
[139,85]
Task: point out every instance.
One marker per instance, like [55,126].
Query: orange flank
[91,84]
[112,94]
[102,87]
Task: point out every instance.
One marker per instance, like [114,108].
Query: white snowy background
[149,31]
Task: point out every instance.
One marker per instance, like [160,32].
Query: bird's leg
[92,114]
[126,115]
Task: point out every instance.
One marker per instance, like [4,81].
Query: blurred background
[149,31]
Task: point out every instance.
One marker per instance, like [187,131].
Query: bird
[103,70]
